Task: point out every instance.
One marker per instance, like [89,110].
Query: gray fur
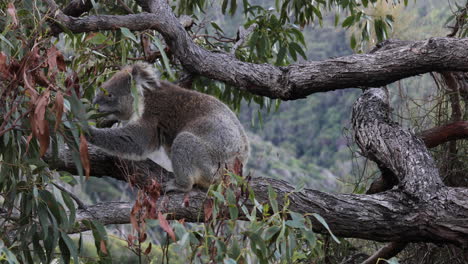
[201,135]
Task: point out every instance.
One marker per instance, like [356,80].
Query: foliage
[268,232]
[46,85]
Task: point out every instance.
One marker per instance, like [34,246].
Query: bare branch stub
[388,64]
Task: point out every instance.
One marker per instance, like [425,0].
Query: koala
[201,136]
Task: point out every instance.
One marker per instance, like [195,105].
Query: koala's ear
[145,76]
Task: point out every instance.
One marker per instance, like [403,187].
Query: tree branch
[420,210]
[291,82]
[439,135]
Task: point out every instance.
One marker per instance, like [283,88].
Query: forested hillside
[313,132]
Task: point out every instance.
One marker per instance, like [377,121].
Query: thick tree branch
[291,82]
[439,135]
[420,210]
[400,151]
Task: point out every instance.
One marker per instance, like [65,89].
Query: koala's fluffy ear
[144,76]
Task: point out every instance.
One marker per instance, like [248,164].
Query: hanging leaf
[11,10]
[84,156]
[127,33]
[102,247]
[39,125]
[208,209]
[148,249]
[165,226]
[58,107]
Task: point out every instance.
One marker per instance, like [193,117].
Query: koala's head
[115,97]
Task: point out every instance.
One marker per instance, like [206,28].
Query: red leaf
[11,10]
[39,125]
[103,247]
[73,82]
[43,137]
[186,200]
[208,210]
[133,215]
[3,66]
[84,156]
[143,237]
[148,249]
[58,109]
[28,140]
[165,226]
[237,167]
[130,239]
[61,62]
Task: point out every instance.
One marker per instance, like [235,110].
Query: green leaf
[70,245]
[127,33]
[348,21]
[71,207]
[6,41]
[218,28]
[224,6]
[233,8]
[98,39]
[322,221]
[272,198]
[353,41]
[270,232]
[298,49]
[281,55]
[64,251]
[166,63]
[310,237]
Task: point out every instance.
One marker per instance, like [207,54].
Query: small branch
[438,135]
[243,35]
[386,252]
[293,81]
[125,6]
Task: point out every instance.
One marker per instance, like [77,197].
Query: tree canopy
[55,54]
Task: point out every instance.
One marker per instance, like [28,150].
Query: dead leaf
[11,10]
[148,249]
[28,140]
[130,239]
[208,210]
[133,215]
[73,82]
[84,156]
[39,111]
[3,66]
[143,237]
[237,169]
[58,109]
[103,247]
[186,200]
[39,125]
[165,226]
[61,62]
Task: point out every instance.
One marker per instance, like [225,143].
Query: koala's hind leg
[191,162]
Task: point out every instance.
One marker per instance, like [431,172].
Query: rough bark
[420,209]
[384,66]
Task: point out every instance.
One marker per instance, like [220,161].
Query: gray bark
[419,209]
[393,61]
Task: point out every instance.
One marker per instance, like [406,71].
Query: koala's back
[177,110]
